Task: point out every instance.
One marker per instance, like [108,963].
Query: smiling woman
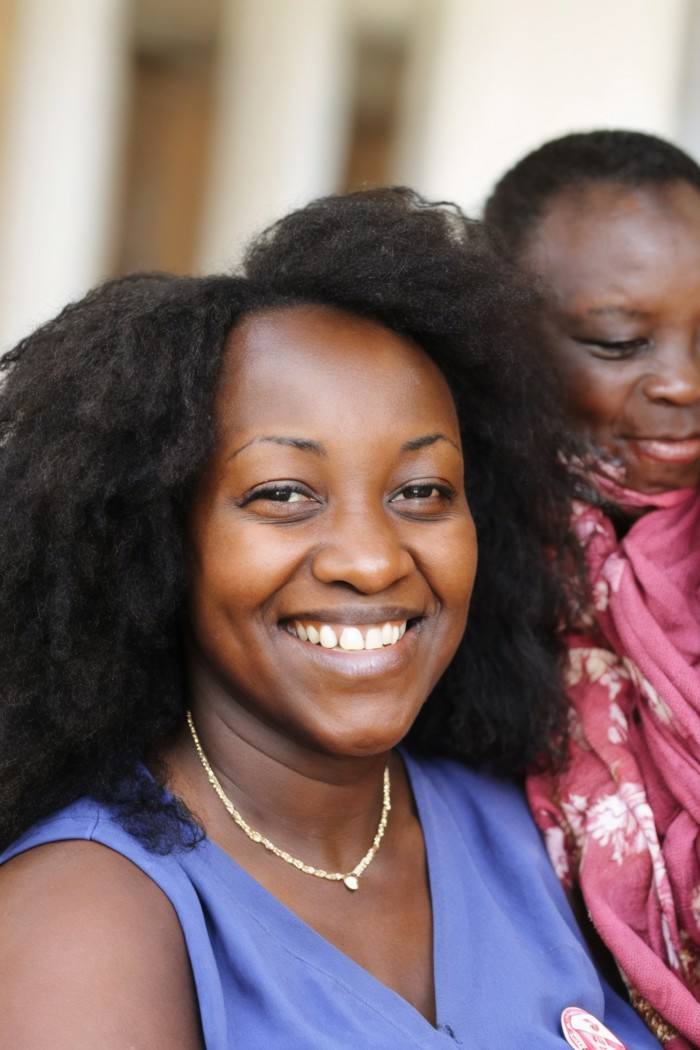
[372,538]
[609,222]
[239,550]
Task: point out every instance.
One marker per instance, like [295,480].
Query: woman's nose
[676,377]
[363,551]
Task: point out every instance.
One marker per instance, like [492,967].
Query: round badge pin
[583,1031]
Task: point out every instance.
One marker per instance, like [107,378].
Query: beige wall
[491,79]
[62,144]
[7,27]
[161,133]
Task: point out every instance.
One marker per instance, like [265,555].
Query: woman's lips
[668,450]
[349,638]
[361,663]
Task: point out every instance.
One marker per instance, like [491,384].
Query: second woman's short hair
[632,158]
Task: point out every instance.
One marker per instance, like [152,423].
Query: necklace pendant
[351,882]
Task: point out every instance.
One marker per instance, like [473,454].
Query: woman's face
[333,549]
[623,269]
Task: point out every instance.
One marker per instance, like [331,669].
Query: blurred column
[689,124]
[282,117]
[491,79]
[58,169]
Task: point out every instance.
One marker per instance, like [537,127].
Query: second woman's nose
[676,377]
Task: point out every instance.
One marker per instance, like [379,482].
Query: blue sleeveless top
[508,956]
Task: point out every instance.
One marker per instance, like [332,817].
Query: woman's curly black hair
[106,424]
[633,158]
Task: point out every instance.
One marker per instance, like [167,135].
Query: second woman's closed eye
[614,349]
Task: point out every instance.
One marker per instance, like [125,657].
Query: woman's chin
[655,478]
[358,737]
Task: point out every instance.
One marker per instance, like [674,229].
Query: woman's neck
[324,808]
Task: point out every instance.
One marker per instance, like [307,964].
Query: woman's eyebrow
[307,445]
[572,315]
[427,439]
[304,444]
[625,311]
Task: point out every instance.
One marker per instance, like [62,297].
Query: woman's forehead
[607,239]
[315,365]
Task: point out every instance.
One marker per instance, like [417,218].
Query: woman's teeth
[349,639]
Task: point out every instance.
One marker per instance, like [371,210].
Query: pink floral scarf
[622,821]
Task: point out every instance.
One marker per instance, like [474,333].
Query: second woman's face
[334,551]
[623,270]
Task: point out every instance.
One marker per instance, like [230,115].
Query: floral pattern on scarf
[622,820]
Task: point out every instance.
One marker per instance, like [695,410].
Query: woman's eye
[417,492]
[615,347]
[281,495]
[279,500]
[423,497]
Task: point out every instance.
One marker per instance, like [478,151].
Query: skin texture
[93,955]
[622,268]
[362,518]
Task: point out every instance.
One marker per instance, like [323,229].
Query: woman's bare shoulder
[93,955]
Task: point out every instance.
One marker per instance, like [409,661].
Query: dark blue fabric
[508,956]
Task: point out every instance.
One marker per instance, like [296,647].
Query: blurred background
[160,134]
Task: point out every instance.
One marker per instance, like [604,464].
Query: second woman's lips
[668,450]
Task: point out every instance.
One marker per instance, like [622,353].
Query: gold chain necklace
[350,878]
